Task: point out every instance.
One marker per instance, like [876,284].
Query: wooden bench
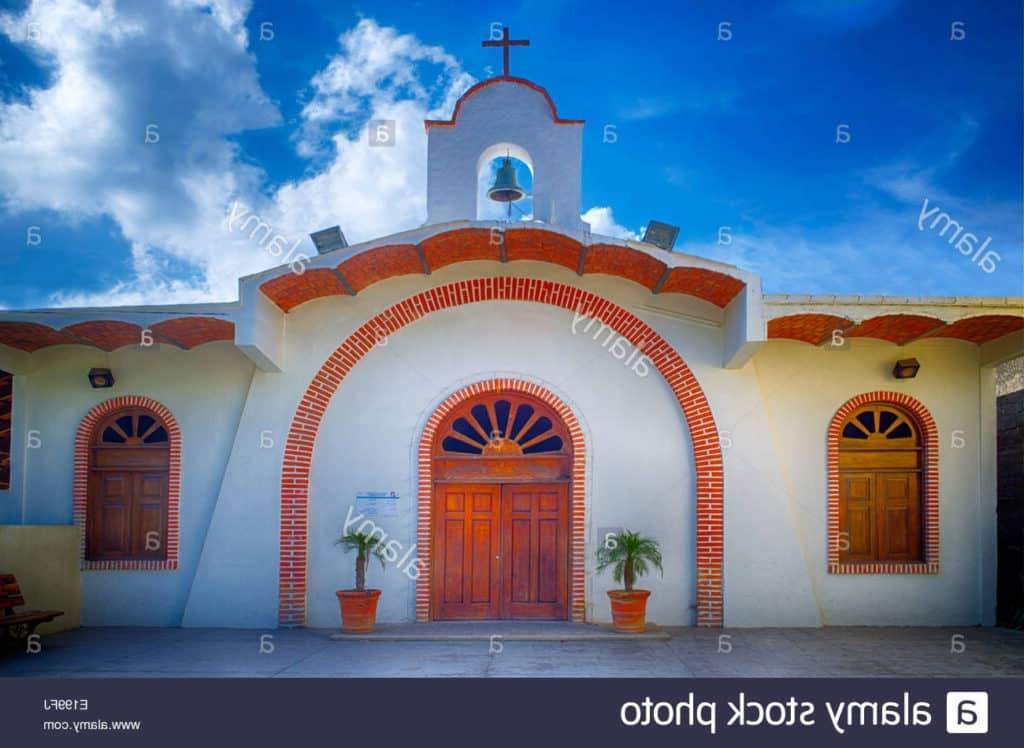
[14,625]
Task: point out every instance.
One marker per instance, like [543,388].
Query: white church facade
[420,380]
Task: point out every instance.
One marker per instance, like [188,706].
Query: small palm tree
[365,545]
[629,553]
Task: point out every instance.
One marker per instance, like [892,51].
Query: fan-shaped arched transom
[503,436]
[132,427]
[878,426]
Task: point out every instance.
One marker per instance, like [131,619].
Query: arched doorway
[502,468]
[309,413]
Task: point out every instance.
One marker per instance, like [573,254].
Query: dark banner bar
[532,713]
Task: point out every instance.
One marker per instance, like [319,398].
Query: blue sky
[128,130]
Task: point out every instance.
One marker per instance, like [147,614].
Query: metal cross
[505,43]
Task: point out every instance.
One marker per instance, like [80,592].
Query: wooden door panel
[467,564]
[481,568]
[899,531]
[535,547]
[856,517]
[548,533]
[517,558]
[454,551]
[109,520]
[115,529]
[149,515]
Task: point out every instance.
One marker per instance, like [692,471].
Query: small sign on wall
[377,504]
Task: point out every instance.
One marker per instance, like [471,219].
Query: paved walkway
[869,652]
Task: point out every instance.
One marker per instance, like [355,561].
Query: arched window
[129,466]
[880,486]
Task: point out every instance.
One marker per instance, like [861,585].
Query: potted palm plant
[359,606]
[629,553]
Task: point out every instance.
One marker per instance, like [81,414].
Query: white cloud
[78,146]
[378,74]
[602,221]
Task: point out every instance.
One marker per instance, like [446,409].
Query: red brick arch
[80,487]
[930,488]
[298,450]
[577,501]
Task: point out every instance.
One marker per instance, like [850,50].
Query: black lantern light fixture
[906,368]
[101,378]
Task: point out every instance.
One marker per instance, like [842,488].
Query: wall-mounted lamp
[101,378]
[906,368]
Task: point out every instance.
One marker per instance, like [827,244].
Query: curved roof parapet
[472,91]
[899,320]
[422,252]
[183,332]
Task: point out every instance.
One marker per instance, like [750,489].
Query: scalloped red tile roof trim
[373,265]
[900,329]
[298,450]
[108,335]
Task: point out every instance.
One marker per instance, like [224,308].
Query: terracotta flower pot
[358,610]
[629,610]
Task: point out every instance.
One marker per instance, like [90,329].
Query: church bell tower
[499,117]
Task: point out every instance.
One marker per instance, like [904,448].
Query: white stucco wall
[793,390]
[204,388]
[773,414]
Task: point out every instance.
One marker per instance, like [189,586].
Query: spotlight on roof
[327,240]
[906,368]
[661,235]
[101,378]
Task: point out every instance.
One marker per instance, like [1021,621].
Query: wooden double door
[501,551]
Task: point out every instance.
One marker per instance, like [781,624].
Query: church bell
[506,187]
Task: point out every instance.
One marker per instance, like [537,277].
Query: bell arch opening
[489,171]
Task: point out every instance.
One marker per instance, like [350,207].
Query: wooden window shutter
[880,474]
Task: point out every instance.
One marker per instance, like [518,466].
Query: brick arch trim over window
[298,450]
[577,501]
[80,488]
[929,493]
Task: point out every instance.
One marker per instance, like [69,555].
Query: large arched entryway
[501,516]
[309,413]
